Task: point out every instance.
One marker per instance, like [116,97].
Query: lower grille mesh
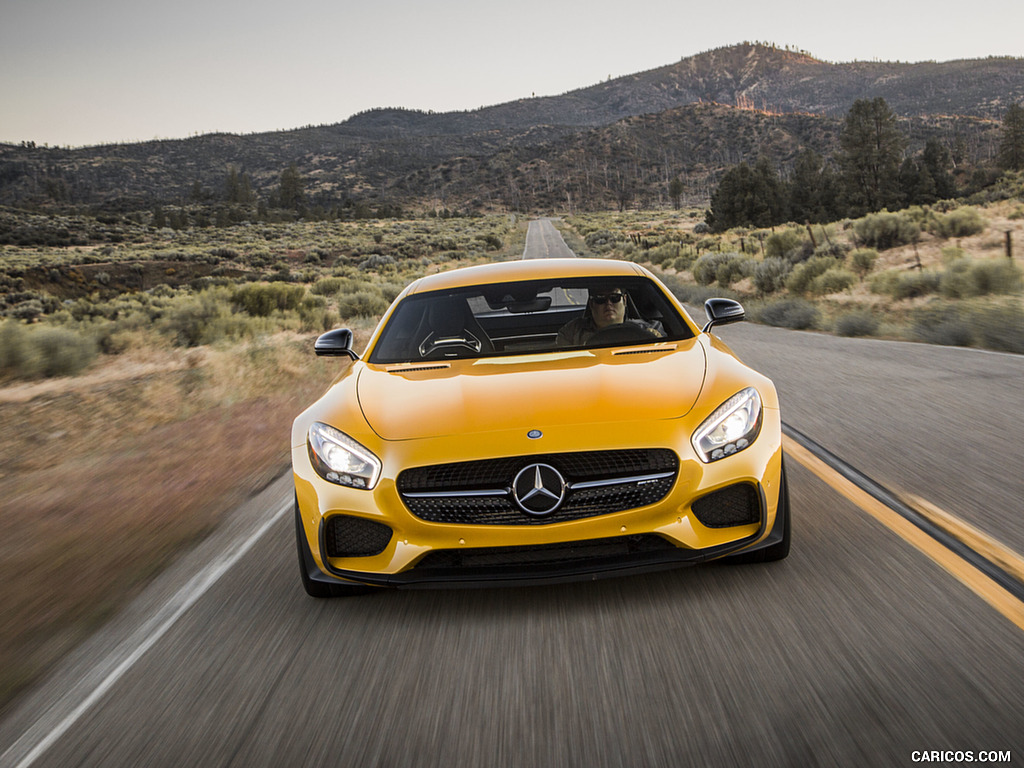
[544,554]
[355,537]
[738,504]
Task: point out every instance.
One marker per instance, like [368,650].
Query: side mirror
[336,343]
[722,312]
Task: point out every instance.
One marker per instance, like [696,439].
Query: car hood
[407,402]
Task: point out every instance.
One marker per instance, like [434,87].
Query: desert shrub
[833,280]
[376,261]
[706,268]
[195,320]
[350,285]
[491,241]
[733,269]
[996,276]
[956,282]
[941,325]
[963,222]
[261,299]
[837,251]
[601,239]
[14,353]
[787,313]
[682,263]
[905,285]
[328,286]
[859,322]
[28,311]
[361,304]
[953,253]
[663,254]
[885,230]
[726,268]
[315,315]
[998,328]
[61,351]
[862,261]
[803,275]
[43,352]
[770,275]
[688,293]
[964,278]
[782,244]
[390,291]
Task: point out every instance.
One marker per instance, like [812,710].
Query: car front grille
[738,504]
[561,554]
[596,483]
[347,536]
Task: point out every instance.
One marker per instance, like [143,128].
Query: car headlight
[338,458]
[733,426]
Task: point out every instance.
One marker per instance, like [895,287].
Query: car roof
[526,269]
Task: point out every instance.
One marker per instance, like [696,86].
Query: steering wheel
[621,333]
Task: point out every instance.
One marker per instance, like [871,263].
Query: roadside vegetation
[944,274]
[129,355]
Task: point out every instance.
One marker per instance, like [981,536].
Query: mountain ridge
[403,154]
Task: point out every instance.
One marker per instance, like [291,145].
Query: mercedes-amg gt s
[536,421]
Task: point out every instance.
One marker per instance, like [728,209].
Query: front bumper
[428,554]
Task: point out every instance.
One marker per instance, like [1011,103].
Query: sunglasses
[614,298]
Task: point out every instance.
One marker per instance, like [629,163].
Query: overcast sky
[101,71]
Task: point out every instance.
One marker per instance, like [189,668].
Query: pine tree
[812,189]
[675,191]
[291,194]
[748,197]
[871,147]
[938,161]
[1011,145]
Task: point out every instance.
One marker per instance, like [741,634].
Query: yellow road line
[1003,601]
[986,546]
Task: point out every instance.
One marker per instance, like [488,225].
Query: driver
[603,310]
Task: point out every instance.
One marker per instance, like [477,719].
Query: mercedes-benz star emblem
[539,489]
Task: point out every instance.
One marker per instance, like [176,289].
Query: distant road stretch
[543,241]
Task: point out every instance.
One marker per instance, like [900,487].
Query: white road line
[45,732]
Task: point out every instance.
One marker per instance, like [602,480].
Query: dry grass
[102,487]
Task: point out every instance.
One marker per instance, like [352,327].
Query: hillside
[632,162]
[413,156]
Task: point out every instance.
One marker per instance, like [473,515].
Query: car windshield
[528,317]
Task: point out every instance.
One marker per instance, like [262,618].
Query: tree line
[870,172]
[236,201]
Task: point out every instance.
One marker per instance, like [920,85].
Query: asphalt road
[857,650]
[544,241]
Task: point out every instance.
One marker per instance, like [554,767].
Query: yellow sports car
[536,421]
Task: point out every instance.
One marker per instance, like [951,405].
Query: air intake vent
[733,505]
[355,537]
[418,368]
[645,351]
